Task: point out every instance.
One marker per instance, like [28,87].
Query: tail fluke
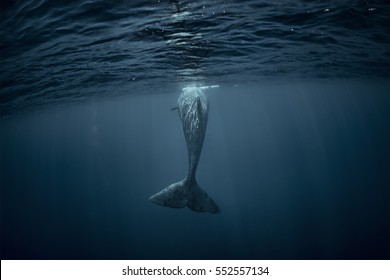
[184,193]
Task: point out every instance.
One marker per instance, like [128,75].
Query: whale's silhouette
[193,111]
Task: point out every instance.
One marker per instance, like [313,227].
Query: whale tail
[186,193]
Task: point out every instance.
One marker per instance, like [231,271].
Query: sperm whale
[193,108]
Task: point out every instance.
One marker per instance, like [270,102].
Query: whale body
[193,108]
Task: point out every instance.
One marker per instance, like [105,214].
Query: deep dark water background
[299,171]
[296,154]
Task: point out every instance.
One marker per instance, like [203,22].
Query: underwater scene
[195,129]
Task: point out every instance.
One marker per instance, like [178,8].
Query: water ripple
[57,49]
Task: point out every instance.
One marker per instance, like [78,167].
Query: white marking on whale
[193,111]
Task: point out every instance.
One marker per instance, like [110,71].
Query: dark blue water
[296,154]
[56,51]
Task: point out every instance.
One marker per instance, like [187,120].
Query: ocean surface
[296,153]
